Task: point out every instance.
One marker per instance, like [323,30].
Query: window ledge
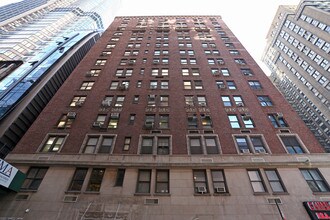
[260,193]
[200,194]
[91,192]
[221,194]
[72,192]
[162,194]
[28,190]
[280,193]
[142,194]
[321,193]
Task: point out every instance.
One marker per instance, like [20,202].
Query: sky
[249,20]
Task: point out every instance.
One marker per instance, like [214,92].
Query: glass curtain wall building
[297,53]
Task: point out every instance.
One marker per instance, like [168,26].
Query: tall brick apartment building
[168,117]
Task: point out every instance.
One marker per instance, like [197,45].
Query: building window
[225,72]
[120,101]
[149,122]
[265,101]
[257,144]
[86,86]
[147,145]
[127,143]
[226,101]
[275,181]
[257,182]
[247,72]
[114,120]
[100,62]
[242,144]
[200,181]
[238,101]
[53,143]
[91,145]
[211,145]
[162,181]
[187,85]
[233,120]
[77,101]
[131,119]
[78,179]
[206,121]
[164,121]
[163,101]
[143,182]
[163,145]
[106,145]
[195,145]
[255,85]
[164,85]
[314,180]
[198,84]
[219,181]
[65,121]
[231,85]
[120,177]
[248,123]
[34,178]
[192,121]
[277,120]
[95,180]
[100,121]
[292,145]
[201,100]
[189,100]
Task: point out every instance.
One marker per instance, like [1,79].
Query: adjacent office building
[168,117]
[297,53]
[39,48]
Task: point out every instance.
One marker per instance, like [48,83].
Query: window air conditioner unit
[114,115]
[71,115]
[246,116]
[89,74]
[261,151]
[245,151]
[97,124]
[149,125]
[122,87]
[155,61]
[279,115]
[106,103]
[79,103]
[216,73]
[220,189]
[131,62]
[240,104]
[203,104]
[222,86]
[153,87]
[201,189]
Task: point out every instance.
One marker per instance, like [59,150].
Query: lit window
[65,121]
[53,143]
[114,120]
[187,85]
[86,85]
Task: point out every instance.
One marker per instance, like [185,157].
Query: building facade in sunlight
[297,53]
[168,117]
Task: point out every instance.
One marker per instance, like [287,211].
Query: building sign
[318,210]
[10,177]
